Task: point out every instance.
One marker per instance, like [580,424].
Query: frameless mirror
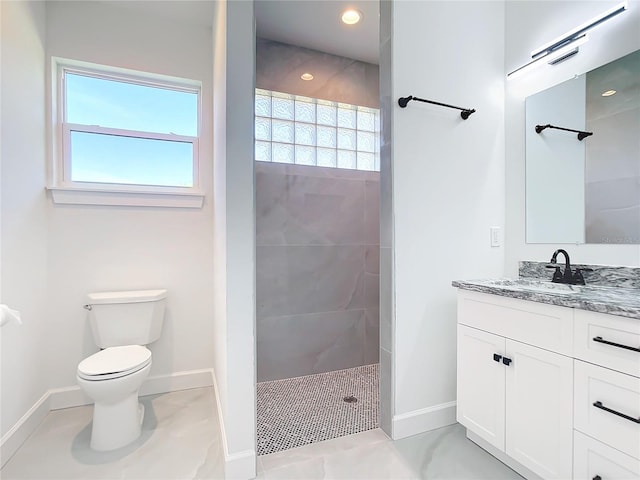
[583,158]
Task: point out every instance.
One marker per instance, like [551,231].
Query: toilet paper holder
[7,315]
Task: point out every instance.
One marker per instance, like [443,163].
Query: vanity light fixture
[551,58]
[609,93]
[306,76]
[579,30]
[351,16]
[568,43]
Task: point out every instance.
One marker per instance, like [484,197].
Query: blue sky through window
[102,158]
[130,161]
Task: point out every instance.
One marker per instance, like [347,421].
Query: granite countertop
[614,300]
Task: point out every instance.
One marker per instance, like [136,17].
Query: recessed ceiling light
[306,76]
[608,93]
[351,16]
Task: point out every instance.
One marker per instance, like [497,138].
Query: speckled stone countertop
[620,297]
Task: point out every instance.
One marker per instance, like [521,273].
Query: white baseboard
[16,436]
[177,381]
[67,397]
[423,420]
[238,465]
[74,396]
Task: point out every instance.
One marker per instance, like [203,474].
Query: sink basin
[539,286]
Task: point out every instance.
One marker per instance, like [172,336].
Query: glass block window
[309,131]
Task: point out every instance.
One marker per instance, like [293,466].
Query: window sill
[129,198]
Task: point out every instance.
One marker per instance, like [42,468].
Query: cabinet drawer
[608,340]
[592,459]
[616,395]
[545,326]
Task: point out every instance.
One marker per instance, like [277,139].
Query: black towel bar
[581,134]
[465,113]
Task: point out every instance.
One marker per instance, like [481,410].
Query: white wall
[219,98]
[23,209]
[530,24]
[448,189]
[95,248]
[234,232]
[52,255]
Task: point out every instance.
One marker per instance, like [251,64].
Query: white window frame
[64,190]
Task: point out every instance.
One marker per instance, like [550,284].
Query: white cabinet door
[539,410]
[480,405]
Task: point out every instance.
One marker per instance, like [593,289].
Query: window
[129,133]
[307,131]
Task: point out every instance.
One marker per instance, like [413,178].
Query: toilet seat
[114,362]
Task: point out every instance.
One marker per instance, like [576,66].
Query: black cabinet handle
[615,412]
[619,345]
[496,357]
[506,361]
[597,477]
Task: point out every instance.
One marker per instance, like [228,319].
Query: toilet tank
[126,318]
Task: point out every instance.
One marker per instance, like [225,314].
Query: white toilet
[122,324]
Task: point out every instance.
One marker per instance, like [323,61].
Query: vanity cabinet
[552,391]
[518,398]
[515,396]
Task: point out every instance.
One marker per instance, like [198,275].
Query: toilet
[122,323]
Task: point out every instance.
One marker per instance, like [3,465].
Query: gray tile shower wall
[295,279]
[317,272]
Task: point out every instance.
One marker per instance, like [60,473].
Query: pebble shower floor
[298,411]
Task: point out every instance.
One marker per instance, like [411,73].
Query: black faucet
[558,276]
[568,276]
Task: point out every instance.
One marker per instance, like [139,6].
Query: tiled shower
[317,269]
[317,248]
[317,286]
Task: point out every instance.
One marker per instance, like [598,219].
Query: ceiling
[311,24]
[316,24]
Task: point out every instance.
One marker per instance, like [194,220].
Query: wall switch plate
[495,236]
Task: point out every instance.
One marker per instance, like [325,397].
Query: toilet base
[116,425]
[117,415]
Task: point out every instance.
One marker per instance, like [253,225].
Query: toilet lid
[114,362]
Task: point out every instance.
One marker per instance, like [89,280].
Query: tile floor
[443,454]
[180,441]
[298,411]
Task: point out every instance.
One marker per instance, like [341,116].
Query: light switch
[495,236]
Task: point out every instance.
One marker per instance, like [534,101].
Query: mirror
[583,159]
